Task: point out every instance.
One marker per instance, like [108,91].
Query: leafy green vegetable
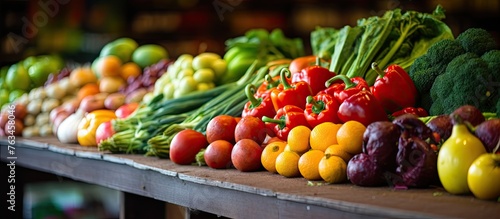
[394,38]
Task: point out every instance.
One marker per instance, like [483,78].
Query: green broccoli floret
[492,57]
[476,40]
[466,81]
[426,68]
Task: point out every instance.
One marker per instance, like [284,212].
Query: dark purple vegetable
[362,171]
[489,134]
[469,113]
[442,125]
[411,125]
[380,141]
[417,162]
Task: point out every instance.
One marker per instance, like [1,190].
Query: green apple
[149,54]
[122,48]
[4,97]
[29,61]
[3,73]
[17,77]
[40,71]
[484,176]
[14,94]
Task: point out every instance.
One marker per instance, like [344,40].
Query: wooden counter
[234,194]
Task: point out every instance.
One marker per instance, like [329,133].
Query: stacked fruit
[21,77]
[320,153]
[188,74]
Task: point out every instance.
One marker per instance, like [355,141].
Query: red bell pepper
[321,108]
[286,119]
[292,93]
[349,87]
[258,105]
[315,75]
[394,88]
[268,84]
[362,107]
[418,111]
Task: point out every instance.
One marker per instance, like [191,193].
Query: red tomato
[185,145]
[246,155]
[125,110]
[104,131]
[218,154]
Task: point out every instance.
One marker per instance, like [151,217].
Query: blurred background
[79,28]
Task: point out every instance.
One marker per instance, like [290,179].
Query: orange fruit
[308,164]
[108,66]
[130,69]
[332,169]
[270,153]
[336,150]
[287,164]
[81,76]
[87,90]
[324,135]
[350,137]
[298,139]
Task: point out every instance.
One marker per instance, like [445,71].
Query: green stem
[283,76]
[270,82]
[348,83]
[250,92]
[377,69]
[317,106]
[281,123]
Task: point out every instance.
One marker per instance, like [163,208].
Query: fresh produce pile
[151,128]
[461,71]
[394,101]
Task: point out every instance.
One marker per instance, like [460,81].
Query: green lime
[17,77]
[149,54]
[4,97]
[29,61]
[14,94]
[121,48]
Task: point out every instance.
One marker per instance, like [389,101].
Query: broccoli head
[442,52]
[492,57]
[426,68]
[476,40]
[466,81]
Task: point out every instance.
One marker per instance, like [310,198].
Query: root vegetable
[50,104]
[55,91]
[68,129]
[34,107]
[42,119]
[45,130]
[31,131]
[29,120]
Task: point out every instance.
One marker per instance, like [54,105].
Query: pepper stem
[377,69]
[249,92]
[270,82]
[318,61]
[283,76]
[348,83]
[279,122]
[317,106]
